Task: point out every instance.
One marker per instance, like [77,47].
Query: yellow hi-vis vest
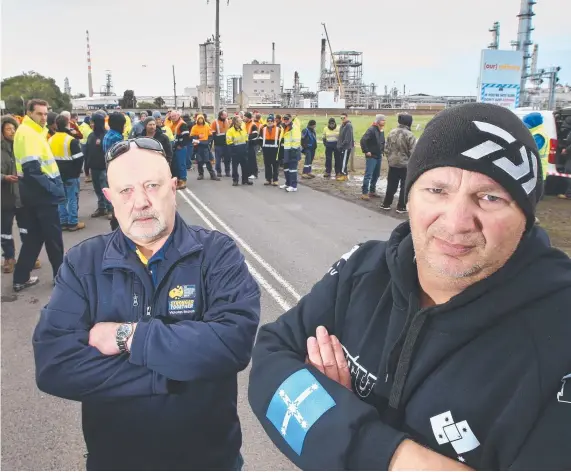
[30,144]
[236,137]
[85,131]
[292,137]
[60,144]
[331,135]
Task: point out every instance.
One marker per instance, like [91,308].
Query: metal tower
[66,87]
[495,30]
[89,78]
[524,41]
[107,89]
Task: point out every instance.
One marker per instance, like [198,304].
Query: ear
[173,182]
[107,193]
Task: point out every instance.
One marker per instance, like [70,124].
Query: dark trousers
[396,175]
[345,154]
[99,177]
[271,163]
[222,155]
[281,156]
[202,153]
[8,215]
[252,161]
[240,158]
[309,155]
[209,168]
[43,227]
[291,158]
[331,151]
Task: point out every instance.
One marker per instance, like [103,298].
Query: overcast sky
[431,46]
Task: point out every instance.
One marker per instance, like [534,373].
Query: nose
[460,215]
[140,199]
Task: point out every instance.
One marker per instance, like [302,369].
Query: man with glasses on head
[148,327]
[292,153]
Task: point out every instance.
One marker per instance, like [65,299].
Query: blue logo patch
[296,406]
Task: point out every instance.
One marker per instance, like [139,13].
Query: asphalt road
[289,240]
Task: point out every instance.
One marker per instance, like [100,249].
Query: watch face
[124,331]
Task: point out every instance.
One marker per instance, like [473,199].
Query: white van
[556,179]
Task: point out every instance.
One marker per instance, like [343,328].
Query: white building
[261,82]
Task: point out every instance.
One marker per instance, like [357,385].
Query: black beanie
[483,138]
[405,119]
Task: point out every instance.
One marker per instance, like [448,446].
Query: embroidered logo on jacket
[459,435]
[181,299]
[565,396]
[363,381]
[296,406]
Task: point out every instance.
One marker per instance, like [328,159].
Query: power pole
[174,87]
[217,62]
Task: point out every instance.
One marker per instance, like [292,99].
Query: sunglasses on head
[122,147]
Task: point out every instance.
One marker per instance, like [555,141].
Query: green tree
[24,87]
[159,102]
[145,105]
[129,100]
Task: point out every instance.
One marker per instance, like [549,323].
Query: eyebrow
[485,188]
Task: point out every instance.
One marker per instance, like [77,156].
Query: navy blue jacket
[480,379]
[171,403]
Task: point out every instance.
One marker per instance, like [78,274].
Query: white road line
[274,273]
[259,278]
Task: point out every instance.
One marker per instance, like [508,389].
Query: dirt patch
[554,214]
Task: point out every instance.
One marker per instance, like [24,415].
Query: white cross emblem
[293,407]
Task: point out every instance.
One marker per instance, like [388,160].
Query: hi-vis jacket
[271,136]
[330,136]
[219,129]
[171,403]
[253,131]
[40,180]
[67,153]
[236,137]
[292,137]
[483,379]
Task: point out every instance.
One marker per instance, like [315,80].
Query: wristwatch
[124,332]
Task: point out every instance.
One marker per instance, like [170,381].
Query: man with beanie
[400,144]
[445,347]
[373,146]
[161,125]
[345,145]
[309,146]
[330,138]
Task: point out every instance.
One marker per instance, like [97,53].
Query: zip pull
[149,311]
[386,377]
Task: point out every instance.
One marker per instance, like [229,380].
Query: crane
[341,92]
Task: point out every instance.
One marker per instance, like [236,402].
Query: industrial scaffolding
[350,72]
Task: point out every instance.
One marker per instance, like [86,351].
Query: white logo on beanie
[489,147]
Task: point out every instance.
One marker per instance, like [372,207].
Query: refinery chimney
[89,78]
[524,41]
[273,53]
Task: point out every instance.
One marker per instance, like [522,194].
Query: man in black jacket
[95,160]
[446,347]
[345,145]
[373,146]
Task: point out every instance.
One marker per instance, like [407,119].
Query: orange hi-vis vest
[220,127]
[271,137]
[176,127]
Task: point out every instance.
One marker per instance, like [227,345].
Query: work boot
[373,195]
[200,177]
[38,264]
[214,176]
[77,227]
[563,197]
[311,176]
[30,283]
[327,175]
[305,176]
[341,178]
[99,212]
[275,183]
[8,266]
[181,184]
[267,182]
[364,197]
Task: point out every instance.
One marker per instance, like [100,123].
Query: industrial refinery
[341,83]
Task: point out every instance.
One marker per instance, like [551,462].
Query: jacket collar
[119,254]
[32,124]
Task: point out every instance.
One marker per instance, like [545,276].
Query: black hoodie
[477,379]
